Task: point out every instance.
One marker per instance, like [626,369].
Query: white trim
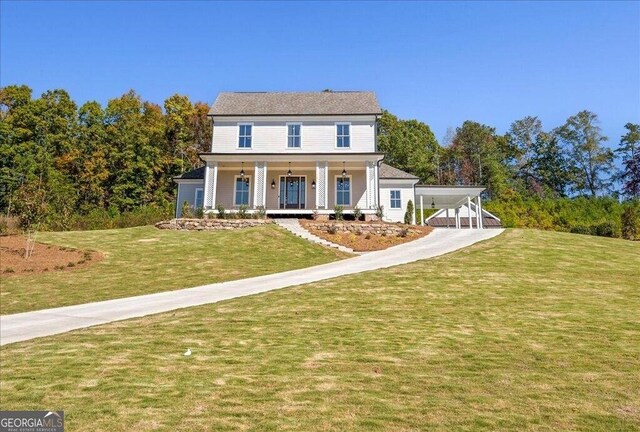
[335,141]
[287,143]
[306,195]
[235,184]
[238,136]
[335,189]
[189,181]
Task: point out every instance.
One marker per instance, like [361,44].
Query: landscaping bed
[44,258]
[365,236]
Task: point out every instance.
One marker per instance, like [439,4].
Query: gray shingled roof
[388,172]
[194,174]
[311,103]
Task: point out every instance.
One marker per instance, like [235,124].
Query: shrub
[338,211]
[408,215]
[4,227]
[332,229]
[9,270]
[315,215]
[242,212]
[261,212]
[380,212]
[199,213]
[580,229]
[221,211]
[186,210]
[403,232]
[630,221]
[604,229]
[357,213]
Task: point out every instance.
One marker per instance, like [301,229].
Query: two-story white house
[300,153]
[296,153]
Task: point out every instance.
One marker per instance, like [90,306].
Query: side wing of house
[190,190]
[396,189]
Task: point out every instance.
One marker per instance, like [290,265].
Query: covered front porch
[291,184]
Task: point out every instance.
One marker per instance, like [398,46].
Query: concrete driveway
[30,325]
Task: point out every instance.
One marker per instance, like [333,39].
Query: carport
[451,199]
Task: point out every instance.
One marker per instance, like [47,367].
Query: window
[342,133]
[343,191]
[293,135]
[241,191]
[396,202]
[244,135]
[199,198]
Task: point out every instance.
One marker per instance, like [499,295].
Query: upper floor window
[244,135]
[396,202]
[343,136]
[293,135]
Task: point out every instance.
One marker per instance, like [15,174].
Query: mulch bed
[45,258]
[367,242]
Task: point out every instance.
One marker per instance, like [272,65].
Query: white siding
[270,135]
[406,194]
[186,192]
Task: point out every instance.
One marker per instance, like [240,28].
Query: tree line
[60,162]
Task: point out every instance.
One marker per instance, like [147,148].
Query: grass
[145,260]
[528,331]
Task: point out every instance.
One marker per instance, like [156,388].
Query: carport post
[447,214]
[457,217]
[469,209]
[421,211]
[481,219]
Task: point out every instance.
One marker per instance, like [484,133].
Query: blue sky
[438,62]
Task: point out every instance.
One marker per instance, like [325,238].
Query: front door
[292,192]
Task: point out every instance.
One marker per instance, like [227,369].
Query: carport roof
[440,196]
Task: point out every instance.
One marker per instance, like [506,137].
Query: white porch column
[370,187]
[469,208]
[480,218]
[421,211]
[259,185]
[457,217]
[322,184]
[210,184]
[447,215]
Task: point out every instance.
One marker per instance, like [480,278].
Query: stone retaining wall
[374,228]
[211,224]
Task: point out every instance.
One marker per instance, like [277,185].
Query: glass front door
[292,192]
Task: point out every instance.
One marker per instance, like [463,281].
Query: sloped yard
[146,260]
[528,331]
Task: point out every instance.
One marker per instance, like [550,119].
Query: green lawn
[528,331]
[146,260]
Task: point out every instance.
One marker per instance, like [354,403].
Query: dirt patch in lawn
[45,258]
[367,242]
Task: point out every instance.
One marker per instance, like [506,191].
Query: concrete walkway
[293,225]
[30,325]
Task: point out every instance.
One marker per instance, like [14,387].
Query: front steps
[293,226]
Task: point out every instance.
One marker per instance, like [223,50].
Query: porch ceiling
[291,157]
[440,197]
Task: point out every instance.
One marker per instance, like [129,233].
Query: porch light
[313,184]
[242,170]
[273,184]
[289,172]
[344,171]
